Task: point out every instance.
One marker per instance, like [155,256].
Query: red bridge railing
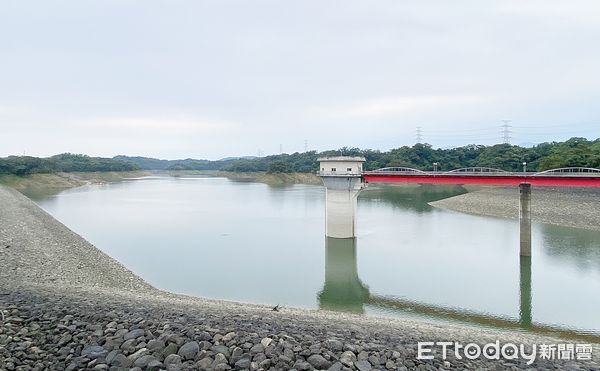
[563,177]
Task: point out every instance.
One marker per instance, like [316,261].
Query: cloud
[203,125]
[584,11]
[205,79]
[393,106]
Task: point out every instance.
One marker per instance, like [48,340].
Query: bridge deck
[498,179]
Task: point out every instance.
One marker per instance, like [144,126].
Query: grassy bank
[51,183]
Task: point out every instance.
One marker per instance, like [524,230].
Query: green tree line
[66,162]
[574,152]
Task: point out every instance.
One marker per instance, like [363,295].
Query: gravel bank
[574,207]
[273,178]
[66,305]
[52,183]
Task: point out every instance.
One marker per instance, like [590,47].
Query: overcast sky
[209,79]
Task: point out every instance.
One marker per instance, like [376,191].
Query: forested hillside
[66,162]
[573,152]
[146,163]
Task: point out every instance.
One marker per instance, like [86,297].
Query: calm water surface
[251,242]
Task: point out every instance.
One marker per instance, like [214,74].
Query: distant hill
[148,163]
[144,163]
[576,152]
[238,158]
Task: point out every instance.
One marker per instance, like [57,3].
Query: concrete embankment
[571,207]
[67,305]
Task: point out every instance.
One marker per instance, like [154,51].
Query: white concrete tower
[342,176]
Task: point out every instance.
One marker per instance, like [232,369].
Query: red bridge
[564,177]
[343,187]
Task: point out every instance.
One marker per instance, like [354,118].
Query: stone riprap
[570,207]
[65,305]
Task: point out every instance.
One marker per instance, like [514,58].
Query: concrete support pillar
[525,317]
[340,212]
[342,177]
[525,219]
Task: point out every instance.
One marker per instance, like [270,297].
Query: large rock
[143,361]
[236,354]
[94,351]
[318,362]
[348,358]
[139,353]
[155,345]
[65,339]
[119,360]
[172,359]
[220,349]
[128,346]
[242,363]
[266,342]
[220,358]
[228,336]
[189,350]
[222,367]
[363,365]
[336,367]
[205,363]
[302,366]
[154,365]
[134,334]
[257,348]
[334,345]
[169,349]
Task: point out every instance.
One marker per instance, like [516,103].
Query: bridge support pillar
[525,219]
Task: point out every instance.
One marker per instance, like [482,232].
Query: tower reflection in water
[343,290]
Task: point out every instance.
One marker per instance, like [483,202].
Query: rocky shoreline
[67,306]
[573,207]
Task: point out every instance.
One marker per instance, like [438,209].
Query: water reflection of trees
[580,246]
[410,197]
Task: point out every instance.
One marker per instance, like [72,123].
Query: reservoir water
[217,238]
